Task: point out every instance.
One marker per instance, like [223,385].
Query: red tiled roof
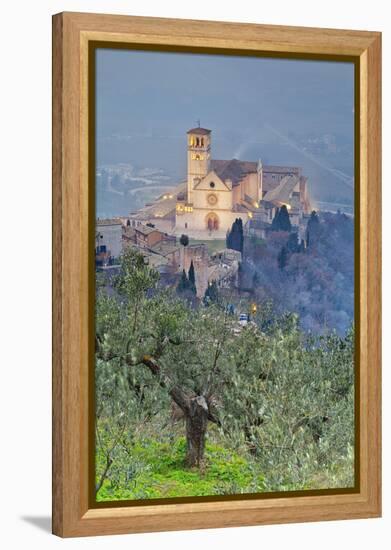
[234,169]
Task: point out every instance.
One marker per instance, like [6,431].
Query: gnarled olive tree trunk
[196,417]
[195,409]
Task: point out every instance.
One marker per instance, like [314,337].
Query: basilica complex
[216,192]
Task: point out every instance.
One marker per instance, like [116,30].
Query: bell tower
[198,157]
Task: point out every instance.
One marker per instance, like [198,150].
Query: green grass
[156,470]
[215,245]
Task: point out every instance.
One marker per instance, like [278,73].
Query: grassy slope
[160,473]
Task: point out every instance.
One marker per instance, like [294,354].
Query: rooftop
[283,191]
[145,230]
[281,169]
[199,131]
[165,247]
[233,169]
[160,208]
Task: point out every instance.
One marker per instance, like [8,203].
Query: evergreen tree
[183,284]
[235,237]
[211,295]
[241,235]
[231,238]
[228,239]
[293,243]
[191,278]
[313,228]
[283,219]
[240,275]
[282,258]
[184,240]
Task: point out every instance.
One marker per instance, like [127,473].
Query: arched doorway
[212,222]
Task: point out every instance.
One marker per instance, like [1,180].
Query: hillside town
[225,278]
[204,207]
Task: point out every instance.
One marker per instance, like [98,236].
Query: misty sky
[271,109]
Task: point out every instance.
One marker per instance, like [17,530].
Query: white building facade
[108,237]
[218,191]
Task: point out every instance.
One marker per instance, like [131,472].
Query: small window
[212,184]
[185,225]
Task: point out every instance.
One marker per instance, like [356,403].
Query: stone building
[217,191]
[198,254]
[284,185]
[147,237]
[108,238]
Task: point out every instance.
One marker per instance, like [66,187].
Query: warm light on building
[250,215]
[180,208]
[253,308]
[256,204]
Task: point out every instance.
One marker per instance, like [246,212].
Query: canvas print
[224,268]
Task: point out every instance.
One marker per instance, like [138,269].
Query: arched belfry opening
[198,157]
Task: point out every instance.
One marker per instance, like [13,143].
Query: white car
[243,319]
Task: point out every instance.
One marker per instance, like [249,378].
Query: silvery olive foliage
[280,398]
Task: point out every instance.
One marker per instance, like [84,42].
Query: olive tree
[291,404]
[181,348]
[276,392]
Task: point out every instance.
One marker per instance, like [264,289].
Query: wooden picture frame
[73,514]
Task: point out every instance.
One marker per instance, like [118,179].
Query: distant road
[161,188]
[335,206]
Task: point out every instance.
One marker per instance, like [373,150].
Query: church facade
[217,191]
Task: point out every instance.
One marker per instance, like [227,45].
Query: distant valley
[126,182]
